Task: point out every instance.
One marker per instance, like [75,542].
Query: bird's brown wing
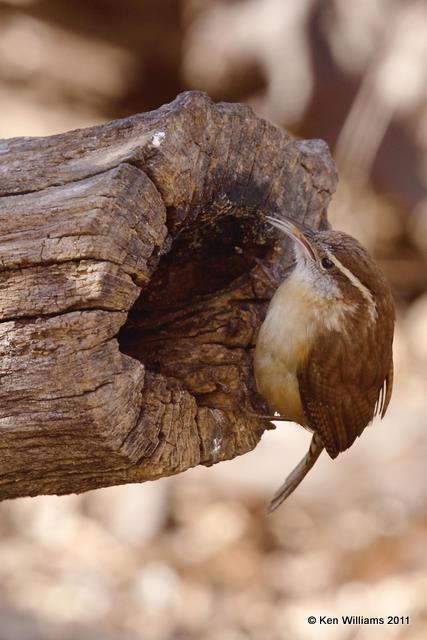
[342,385]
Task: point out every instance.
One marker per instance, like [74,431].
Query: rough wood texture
[132,286]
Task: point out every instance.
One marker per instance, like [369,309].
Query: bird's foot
[264,416]
[267,278]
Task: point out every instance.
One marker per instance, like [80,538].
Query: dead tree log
[132,286]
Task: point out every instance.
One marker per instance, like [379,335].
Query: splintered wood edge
[85,218]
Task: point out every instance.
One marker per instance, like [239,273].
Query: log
[135,269]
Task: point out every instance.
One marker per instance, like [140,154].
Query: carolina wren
[323,356]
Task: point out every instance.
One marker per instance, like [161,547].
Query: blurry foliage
[202,561]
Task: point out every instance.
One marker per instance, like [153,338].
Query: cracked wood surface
[135,270]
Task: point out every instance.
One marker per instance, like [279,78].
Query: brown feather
[298,474]
[342,384]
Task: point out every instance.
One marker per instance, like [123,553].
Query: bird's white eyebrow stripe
[372,307]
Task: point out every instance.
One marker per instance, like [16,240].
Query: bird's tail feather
[298,474]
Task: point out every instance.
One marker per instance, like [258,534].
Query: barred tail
[298,474]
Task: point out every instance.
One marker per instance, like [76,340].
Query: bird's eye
[327,263]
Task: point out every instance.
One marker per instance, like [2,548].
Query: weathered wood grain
[132,286]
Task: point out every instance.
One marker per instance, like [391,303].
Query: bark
[135,270]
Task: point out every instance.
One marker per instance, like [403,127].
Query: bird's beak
[294,232]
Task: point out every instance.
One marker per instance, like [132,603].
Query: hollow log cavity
[135,269]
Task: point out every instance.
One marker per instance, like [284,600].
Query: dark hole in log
[205,259]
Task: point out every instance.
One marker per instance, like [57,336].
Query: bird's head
[336,266]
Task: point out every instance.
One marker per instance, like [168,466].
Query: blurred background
[194,556]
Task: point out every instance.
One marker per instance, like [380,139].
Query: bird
[323,355]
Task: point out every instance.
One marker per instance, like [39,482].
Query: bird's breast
[295,318]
